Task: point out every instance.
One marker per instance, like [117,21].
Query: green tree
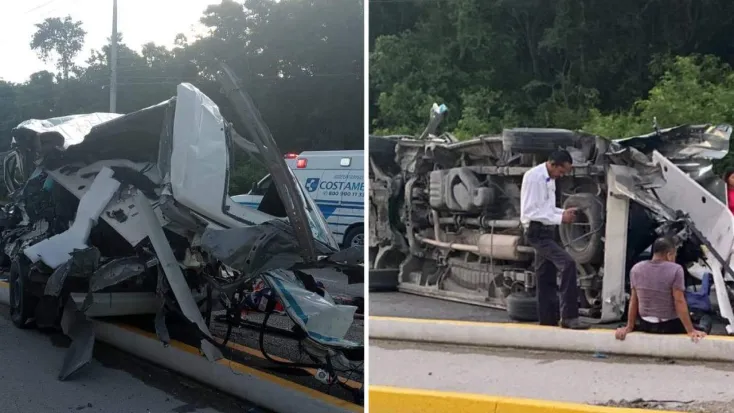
[691,90]
[301,61]
[499,63]
[62,37]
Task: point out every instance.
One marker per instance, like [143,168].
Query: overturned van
[113,215]
[445,214]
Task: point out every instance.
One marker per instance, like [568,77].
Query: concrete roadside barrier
[266,390]
[713,348]
[385,399]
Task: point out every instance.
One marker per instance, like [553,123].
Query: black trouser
[550,260]
[701,322]
[674,326]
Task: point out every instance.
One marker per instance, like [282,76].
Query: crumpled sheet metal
[112,273]
[80,329]
[83,263]
[253,249]
[56,250]
[162,289]
[685,141]
[629,183]
[71,128]
[75,324]
[174,275]
[648,174]
[271,246]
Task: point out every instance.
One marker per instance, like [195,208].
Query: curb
[266,390]
[385,399]
[712,348]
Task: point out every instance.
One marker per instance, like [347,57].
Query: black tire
[522,307]
[584,249]
[22,302]
[537,140]
[383,280]
[352,234]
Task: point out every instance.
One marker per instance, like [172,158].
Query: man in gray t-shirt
[658,302]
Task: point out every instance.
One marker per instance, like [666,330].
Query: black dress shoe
[573,324]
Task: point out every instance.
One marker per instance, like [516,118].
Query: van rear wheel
[354,237]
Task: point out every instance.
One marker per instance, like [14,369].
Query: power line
[39,6]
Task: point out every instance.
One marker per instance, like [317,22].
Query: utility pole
[113,60]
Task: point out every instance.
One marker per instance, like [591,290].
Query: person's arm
[535,206]
[681,306]
[681,309]
[633,311]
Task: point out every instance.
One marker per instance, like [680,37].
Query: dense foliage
[302,62]
[607,67]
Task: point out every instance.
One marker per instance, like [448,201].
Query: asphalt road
[554,376]
[113,382]
[415,306]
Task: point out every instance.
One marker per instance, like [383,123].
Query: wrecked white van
[445,214]
[130,214]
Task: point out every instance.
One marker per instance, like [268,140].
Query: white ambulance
[335,181]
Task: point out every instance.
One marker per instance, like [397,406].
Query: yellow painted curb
[385,399]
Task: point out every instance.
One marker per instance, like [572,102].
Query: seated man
[658,296]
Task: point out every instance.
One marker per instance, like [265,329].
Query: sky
[139,21]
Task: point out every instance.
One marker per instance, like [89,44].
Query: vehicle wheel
[354,237]
[583,238]
[383,280]
[522,307]
[22,302]
[537,140]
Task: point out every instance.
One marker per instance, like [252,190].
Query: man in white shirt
[540,217]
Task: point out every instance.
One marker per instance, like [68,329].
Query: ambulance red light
[290,155]
[301,163]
